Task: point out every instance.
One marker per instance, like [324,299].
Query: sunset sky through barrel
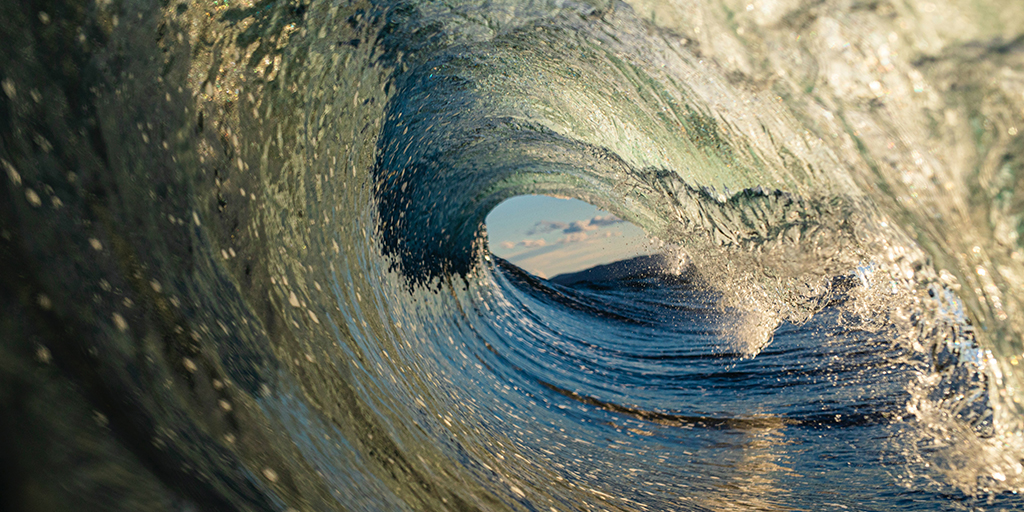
[548,236]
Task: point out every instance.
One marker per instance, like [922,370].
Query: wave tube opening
[548,236]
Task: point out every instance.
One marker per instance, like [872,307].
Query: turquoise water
[246,264]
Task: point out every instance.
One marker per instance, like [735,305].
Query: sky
[547,236]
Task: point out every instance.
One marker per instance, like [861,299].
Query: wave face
[245,264]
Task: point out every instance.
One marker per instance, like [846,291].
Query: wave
[247,269]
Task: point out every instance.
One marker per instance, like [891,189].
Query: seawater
[245,260]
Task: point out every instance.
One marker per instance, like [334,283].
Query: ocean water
[245,266]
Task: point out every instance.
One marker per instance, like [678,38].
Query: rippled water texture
[243,260]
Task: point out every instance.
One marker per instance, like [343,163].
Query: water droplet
[43,355]
[120,322]
[11,172]
[33,198]
[9,89]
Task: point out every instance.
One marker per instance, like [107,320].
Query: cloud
[579,227]
[591,224]
[605,220]
[574,233]
[574,237]
[546,226]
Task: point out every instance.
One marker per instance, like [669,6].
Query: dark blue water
[680,416]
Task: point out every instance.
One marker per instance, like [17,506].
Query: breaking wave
[246,264]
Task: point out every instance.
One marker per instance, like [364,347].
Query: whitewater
[244,260]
